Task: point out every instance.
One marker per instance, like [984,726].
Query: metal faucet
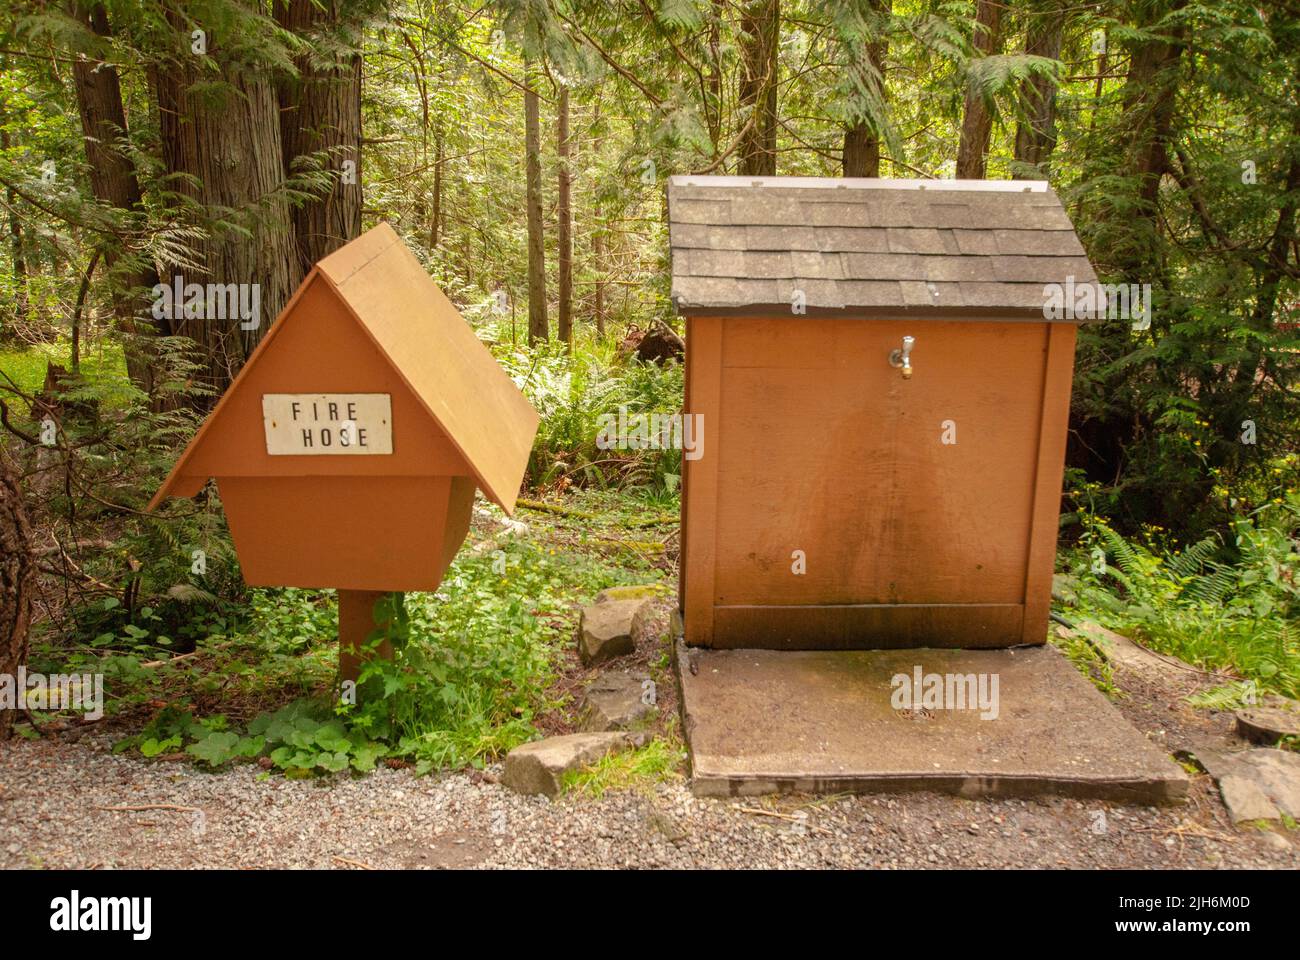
[903,358]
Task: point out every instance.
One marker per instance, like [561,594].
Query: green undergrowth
[659,761]
[469,678]
[1228,602]
[102,366]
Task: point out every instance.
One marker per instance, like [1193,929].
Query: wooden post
[356,622]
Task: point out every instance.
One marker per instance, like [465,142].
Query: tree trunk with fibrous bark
[17,581]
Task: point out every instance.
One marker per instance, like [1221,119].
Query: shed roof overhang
[978,249]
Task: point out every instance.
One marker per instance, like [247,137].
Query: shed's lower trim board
[868,626]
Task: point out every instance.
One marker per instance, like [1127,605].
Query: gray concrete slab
[770,721]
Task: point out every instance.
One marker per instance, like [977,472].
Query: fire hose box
[348,449]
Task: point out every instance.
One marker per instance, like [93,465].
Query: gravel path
[52,793]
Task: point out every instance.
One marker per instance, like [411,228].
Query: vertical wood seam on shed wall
[1045,523]
[705,384]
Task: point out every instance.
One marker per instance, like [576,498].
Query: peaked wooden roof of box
[871,247]
[434,351]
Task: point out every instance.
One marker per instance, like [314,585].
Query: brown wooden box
[367,322]
[820,454]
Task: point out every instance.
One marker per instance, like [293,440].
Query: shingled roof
[869,247]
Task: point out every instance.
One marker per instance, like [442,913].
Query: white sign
[327,424]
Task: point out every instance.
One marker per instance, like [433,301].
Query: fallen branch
[76,545]
[151,806]
[542,507]
[353,863]
[179,656]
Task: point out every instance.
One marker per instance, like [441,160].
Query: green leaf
[365,756]
[333,762]
[332,737]
[153,747]
[249,746]
[215,749]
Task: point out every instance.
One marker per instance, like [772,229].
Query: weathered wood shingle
[749,245]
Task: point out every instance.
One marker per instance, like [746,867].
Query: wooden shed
[348,449]
[885,407]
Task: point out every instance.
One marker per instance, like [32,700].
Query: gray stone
[1278,774]
[1217,763]
[1274,774]
[540,766]
[608,629]
[1245,800]
[616,701]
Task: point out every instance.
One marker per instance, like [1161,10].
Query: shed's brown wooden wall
[814,443]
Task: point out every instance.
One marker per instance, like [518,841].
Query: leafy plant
[1231,602]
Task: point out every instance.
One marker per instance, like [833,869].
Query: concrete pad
[768,721]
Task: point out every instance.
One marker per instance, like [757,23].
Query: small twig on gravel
[759,811]
[353,863]
[1189,828]
[151,806]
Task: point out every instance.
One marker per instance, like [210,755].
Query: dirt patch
[650,656]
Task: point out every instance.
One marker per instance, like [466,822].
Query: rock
[513,528]
[1123,652]
[539,767]
[1216,763]
[1065,588]
[616,701]
[1268,724]
[1277,772]
[1245,800]
[1276,841]
[607,630]
[645,592]
[1273,774]
[669,828]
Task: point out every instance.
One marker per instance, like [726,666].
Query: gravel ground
[52,793]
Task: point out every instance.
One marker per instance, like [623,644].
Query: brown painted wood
[356,622]
[826,449]
[344,532]
[1050,471]
[318,348]
[700,480]
[369,319]
[819,445]
[866,626]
